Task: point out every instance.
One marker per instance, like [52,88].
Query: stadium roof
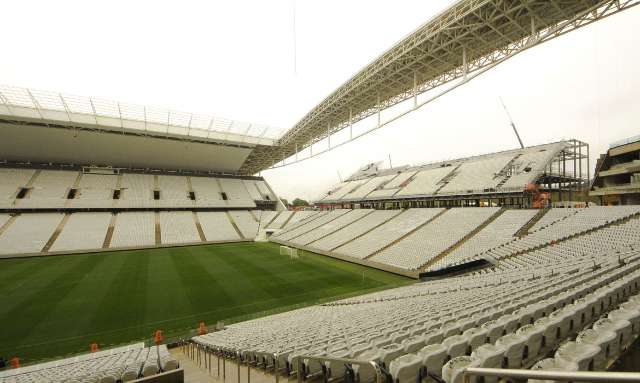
[463,41]
[116,116]
[41,126]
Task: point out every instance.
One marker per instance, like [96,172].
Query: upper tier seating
[425,181]
[477,175]
[48,190]
[265,191]
[137,190]
[174,192]
[509,171]
[393,186]
[57,189]
[529,166]
[95,190]
[252,189]
[12,180]
[342,189]
[207,191]
[236,192]
[364,189]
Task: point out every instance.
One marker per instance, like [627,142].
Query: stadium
[142,244]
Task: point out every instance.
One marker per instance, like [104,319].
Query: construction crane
[512,124]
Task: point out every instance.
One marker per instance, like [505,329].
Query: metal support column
[350,123]
[415,90]
[379,108]
[465,65]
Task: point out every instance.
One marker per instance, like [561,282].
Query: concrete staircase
[506,171]
[524,230]
[233,223]
[158,231]
[201,367]
[56,233]
[109,235]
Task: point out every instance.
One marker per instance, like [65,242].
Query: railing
[202,356]
[113,115]
[563,376]
[299,361]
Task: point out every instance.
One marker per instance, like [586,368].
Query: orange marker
[158,338]
[94,347]
[15,362]
[202,329]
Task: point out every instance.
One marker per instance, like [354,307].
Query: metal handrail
[300,358]
[564,376]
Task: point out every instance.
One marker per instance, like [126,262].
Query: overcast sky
[236,59]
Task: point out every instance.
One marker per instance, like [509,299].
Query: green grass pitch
[58,305]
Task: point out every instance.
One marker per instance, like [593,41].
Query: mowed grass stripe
[64,303]
[93,283]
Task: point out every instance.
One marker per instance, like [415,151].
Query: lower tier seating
[121,364]
[585,314]
[434,239]
[43,233]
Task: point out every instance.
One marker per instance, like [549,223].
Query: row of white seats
[483,320]
[578,222]
[307,225]
[401,238]
[29,233]
[387,233]
[50,188]
[331,226]
[122,364]
[511,170]
[429,241]
[501,230]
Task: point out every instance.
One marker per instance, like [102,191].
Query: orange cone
[202,329]
[94,347]
[158,338]
[15,362]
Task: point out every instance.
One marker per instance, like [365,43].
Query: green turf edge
[389,281]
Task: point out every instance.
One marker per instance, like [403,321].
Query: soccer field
[57,305]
